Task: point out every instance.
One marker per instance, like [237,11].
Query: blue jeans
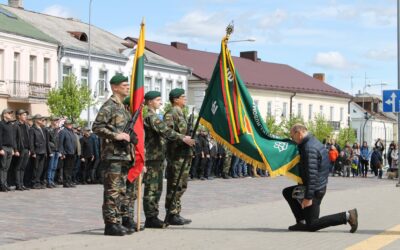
[51,170]
[235,166]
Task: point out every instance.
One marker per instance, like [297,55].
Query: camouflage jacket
[156,133]
[110,121]
[176,120]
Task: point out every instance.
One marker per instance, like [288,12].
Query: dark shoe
[202,178]
[37,186]
[353,220]
[175,220]
[66,185]
[185,221]
[226,177]
[298,227]
[153,222]
[7,187]
[72,185]
[129,225]
[19,188]
[25,188]
[3,189]
[49,186]
[114,230]
[53,185]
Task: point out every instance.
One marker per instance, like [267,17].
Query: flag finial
[229,29]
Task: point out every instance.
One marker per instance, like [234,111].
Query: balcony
[21,89]
[335,125]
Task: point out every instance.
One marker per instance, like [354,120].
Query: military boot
[185,221]
[129,225]
[153,222]
[176,220]
[114,230]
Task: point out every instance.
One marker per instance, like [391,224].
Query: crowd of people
[39,152]
[213,160]
[356,161]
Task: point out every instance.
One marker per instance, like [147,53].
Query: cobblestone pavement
[47,213]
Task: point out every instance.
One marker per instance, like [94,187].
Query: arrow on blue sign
[390,99]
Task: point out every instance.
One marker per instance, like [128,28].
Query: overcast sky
[345,39]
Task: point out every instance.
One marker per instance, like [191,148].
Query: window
[102,82]
[46,70]
[331,114]
[67,72]
[1,64]
[32,69]
[269,108]
[84,77]
[168,87]
[341,114]
[299,109]
[310,111]
[157,84]
[321,110]
[179,84]
[284,109]
[16,66]
[147,84]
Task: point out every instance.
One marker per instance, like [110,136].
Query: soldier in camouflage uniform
[177,154]
[227,164]
[156,132]
[116,154]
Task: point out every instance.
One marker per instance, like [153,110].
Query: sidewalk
[248,225]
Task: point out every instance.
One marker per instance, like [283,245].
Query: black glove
[134,138]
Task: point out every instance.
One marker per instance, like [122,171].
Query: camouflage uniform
[156,131]
[227,162]
[110,121]
[177,152]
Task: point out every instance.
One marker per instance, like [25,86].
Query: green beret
[176,93]
[152,95]
[118,78]
[127,101]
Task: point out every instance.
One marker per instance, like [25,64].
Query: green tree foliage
[346,135]
[287,124]
[70,99]
[320,128]
[274,127]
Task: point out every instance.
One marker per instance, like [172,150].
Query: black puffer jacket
[314,165]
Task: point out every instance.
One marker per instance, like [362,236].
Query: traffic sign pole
[398,86]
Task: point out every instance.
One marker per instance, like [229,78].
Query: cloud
[197,25]
[385,54]
[58,10]
[274,19]
[333,60]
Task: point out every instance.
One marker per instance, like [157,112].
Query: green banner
[233,119]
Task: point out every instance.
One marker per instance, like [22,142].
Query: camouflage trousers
[128,203]
[173,168]
[153,186]
[227,165]
[115,190]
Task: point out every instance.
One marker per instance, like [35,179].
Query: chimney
[179,45]
[16,4]
[319,76]
[252,55]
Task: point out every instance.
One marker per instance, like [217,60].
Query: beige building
[28,65]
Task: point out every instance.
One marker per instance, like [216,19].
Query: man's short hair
[299,127]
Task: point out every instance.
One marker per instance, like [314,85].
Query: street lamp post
[89,58]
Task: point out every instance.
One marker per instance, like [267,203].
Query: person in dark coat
[8,147]
[39,146]
[305,200]
[67,147]
[376,162]
[87,157]
[23,149]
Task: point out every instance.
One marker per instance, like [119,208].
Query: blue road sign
[391,100]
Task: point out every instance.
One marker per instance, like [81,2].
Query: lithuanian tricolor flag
[137,96]
[233,119]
